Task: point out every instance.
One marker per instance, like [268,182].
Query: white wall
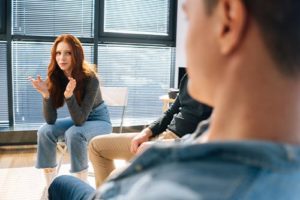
[180,40]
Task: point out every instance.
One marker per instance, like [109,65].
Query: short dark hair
[210,5]
[279,22]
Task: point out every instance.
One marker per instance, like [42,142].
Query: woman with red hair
[72,81]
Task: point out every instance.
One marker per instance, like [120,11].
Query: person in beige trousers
[180,119]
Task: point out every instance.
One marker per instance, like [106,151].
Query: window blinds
[145,70]
[3,86]
[52,18]
[137,16]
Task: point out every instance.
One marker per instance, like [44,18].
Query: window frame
[3,15]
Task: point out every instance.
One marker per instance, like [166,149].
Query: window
[2,16]
[27,101]
[134,46]
[137,17]
[52,18]
[3,86]
[138,21]
[45,19]
[145,70]
[146,65]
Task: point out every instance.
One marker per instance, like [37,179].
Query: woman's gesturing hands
[70,88]
[40,86]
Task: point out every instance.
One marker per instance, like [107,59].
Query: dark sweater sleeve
[162,123]
[80,113]
[50,113]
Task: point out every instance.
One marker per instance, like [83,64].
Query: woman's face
[64,58]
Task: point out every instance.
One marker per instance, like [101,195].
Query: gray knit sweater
[79,113]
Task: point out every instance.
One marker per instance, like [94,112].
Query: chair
[116,97]
[113,97]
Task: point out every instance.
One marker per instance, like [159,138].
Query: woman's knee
[75,133]
[45,131]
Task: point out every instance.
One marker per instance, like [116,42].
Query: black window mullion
[101,20]
[2,16]
[9,64]
[173,20]
[96,29]
[44,38]
[172,32]
[129,40]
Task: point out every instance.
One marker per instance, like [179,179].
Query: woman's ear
[232,19]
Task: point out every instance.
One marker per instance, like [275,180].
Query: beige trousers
[104,149]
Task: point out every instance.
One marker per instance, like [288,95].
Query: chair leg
[122,118]
[63,151]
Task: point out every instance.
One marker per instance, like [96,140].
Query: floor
[17,156]
[19,179]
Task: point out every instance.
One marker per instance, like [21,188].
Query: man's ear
[232,19]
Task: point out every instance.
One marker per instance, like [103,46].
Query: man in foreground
[243,60]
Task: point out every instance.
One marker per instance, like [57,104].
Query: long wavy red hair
[81,70]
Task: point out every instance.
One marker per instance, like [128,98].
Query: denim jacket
[242,170]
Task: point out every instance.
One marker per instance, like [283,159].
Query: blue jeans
[76,138]
[70,188]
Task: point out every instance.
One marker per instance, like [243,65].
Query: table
[166,102]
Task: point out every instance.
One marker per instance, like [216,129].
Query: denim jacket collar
[261,154]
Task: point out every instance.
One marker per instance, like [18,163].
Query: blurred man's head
[224,34]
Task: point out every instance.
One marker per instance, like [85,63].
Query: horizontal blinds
[137,16]
[52,18]
[31,59]
[3,85]
[145,70]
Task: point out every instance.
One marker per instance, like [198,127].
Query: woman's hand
[70,88]
[40,86]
